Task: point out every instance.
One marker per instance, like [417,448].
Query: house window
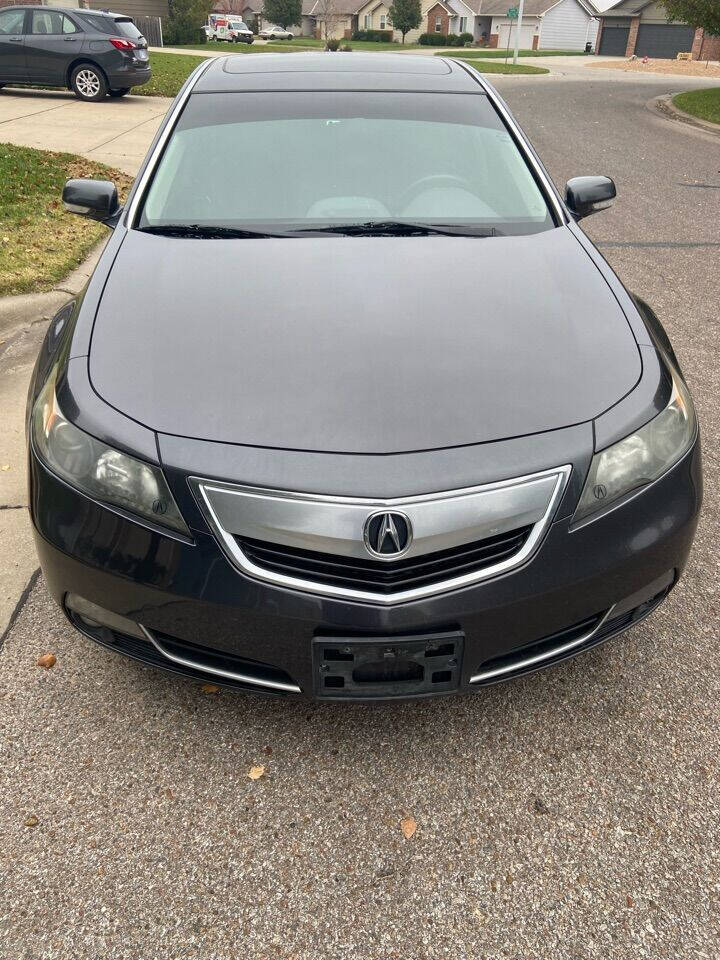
[438,24]
[383,21]
[463,24]
[367,21]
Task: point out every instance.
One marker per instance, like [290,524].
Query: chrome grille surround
[334,526]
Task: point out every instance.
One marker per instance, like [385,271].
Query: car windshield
[314,160]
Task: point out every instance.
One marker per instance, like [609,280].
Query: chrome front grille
[332,570]
[317,543]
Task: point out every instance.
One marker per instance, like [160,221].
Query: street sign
[513,13]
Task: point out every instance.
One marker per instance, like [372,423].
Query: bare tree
[328,14]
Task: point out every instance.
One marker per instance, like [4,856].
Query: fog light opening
[93,616]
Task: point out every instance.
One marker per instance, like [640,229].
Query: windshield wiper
[377,228]
[401,228]
[207,232]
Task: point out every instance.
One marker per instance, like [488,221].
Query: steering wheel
[433,181]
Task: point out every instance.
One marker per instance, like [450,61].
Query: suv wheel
[120,92]
[88,83]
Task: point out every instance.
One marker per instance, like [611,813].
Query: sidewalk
[23,322]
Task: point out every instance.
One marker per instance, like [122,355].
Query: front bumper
[209,620]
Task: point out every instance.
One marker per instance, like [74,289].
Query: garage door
[614,40]
[664,40]
[508,32]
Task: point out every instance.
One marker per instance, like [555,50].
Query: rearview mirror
[586,195]
[96,199]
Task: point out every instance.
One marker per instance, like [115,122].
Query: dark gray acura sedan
[379,420]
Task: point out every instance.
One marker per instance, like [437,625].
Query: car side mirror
[586,195]
[95,199]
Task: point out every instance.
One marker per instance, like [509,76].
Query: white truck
[228,27]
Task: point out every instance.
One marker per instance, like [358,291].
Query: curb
[664,107]
[28,308]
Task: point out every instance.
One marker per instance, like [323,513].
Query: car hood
[360,345]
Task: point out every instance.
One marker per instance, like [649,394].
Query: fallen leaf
[629,901]
[31,821]
[267,751]
[210,688]
[256,772]
[47,660]
[408,825]
[5,467]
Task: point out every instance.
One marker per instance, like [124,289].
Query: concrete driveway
[571,815]
[116,132]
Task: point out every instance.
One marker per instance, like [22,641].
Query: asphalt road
[566,816]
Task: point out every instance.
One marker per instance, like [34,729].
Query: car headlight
[98,470]
[643,456]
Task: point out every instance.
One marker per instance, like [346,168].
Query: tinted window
[120,27]
[101,24]
[343,157]
[126,28]
[46,21]
[11,22]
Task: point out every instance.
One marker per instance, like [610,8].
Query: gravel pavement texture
[571,815]
[681,68]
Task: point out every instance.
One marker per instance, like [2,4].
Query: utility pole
[518,30]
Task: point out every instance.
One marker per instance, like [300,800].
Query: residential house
[547,24]
[340,15]
[641,28]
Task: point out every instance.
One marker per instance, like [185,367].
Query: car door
[51,43]
[12,46]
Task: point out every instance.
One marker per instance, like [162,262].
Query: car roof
[337,71]
[85,12]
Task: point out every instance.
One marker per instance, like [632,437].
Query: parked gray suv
[94,53]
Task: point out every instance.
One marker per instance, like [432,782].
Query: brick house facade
[705,46]
[438,13]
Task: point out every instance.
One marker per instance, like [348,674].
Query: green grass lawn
[494,54]
[490,66]
[169,73]
[355,44]
[299,43]
[704,104]
[222,46]
[40,243]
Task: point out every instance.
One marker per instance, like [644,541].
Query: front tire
[119,92]
[88,82]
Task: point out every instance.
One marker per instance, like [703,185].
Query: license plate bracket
[378,668]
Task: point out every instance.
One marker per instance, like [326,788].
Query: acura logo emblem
[387,535]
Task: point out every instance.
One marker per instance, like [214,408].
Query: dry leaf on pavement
[408,825]
[47,660]
[210,688]
[256,772]
[31,821]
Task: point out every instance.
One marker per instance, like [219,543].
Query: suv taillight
[121,43]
